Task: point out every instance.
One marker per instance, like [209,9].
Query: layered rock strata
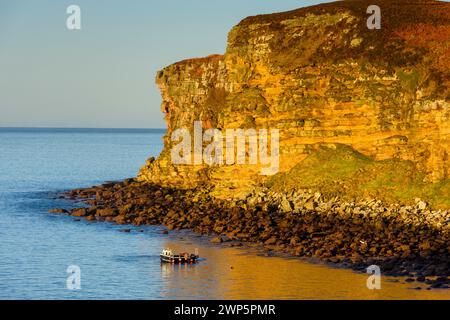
[320,76]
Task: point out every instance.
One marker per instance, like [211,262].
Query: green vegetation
[409,80]
[346,173]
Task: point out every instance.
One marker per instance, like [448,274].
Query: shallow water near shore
[37,246]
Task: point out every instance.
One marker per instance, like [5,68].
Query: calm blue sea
[37,247]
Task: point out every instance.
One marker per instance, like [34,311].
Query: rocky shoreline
[411,241]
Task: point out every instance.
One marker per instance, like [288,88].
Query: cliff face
[320,76]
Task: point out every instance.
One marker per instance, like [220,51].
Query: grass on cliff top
[351,175]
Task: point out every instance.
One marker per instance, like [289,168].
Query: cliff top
[211,57]
[394,13]
[410,30]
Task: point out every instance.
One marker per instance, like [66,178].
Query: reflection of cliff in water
[230,273]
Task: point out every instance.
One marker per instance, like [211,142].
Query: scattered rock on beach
[409,241]
[79,212]
[216,240]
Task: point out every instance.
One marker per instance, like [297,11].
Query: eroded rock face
[320,76]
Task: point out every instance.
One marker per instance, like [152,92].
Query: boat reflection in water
[167,256]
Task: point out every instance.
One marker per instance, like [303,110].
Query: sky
[102,76]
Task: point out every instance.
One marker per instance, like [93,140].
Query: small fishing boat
[168,256]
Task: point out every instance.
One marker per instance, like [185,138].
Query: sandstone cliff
[321,77]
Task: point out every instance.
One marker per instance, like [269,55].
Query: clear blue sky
[103,74]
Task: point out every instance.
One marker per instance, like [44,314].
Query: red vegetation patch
[436,39]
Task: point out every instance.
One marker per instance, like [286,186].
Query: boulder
[58,211]
[216,240]
[79,212]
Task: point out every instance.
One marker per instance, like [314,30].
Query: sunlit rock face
[320,76]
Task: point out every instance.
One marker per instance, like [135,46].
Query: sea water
[38,247]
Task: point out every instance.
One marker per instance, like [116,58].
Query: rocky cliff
[321,77]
